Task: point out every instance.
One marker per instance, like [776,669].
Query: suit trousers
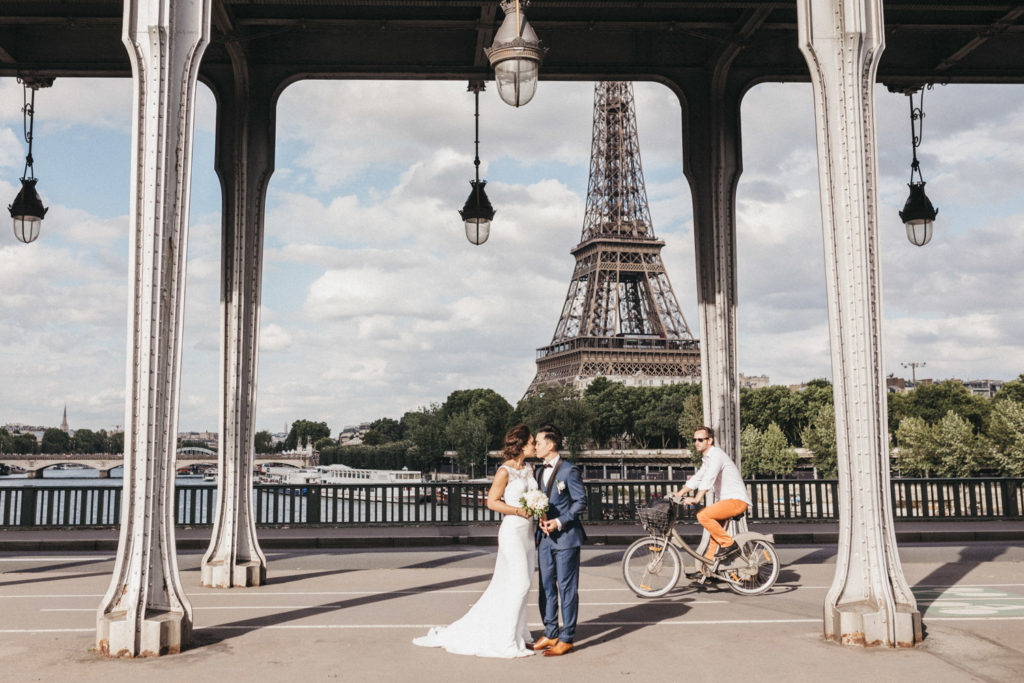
[559,579]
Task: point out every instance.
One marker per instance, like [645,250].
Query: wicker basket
[658,517]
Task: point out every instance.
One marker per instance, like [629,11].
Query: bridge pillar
[145,611]
[869,602]
[104,474]
[245,157]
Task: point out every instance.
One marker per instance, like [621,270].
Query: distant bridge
[104,463]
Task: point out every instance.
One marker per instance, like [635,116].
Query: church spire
[64,422]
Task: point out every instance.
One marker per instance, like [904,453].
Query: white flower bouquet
[535,503]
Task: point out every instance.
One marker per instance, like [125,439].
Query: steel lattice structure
[621,318]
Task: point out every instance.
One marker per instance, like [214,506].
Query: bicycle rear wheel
[755,569]
[651,567]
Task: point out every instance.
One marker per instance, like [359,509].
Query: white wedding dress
[496,625]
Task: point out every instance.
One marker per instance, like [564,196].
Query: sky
[374,303]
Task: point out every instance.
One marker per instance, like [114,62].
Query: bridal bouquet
[535,503]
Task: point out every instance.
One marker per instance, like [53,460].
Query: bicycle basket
[656,518]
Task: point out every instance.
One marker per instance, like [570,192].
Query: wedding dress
[496,625]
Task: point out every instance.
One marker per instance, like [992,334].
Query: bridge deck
[351,615]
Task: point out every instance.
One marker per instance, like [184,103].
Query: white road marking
[57,559]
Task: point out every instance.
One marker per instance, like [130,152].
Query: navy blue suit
[558,554]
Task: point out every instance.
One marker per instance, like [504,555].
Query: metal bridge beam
[145,611]
[869,602]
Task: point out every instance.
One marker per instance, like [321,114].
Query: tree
[88,441]
[304,432]
[264,442]
[658,419]
[1013,390]
[761,407]
[820,437]
[561,406]
[468,436]
[931,402]
[614,409]
[55,441]
[777,457]
[750,452]
[918,452]
[961,452]
[374,438]
[425,430]
[388,429]
[1006,430]
[116,442]
[486,404]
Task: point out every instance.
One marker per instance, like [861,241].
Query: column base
[221,574]
[161,633]
[864,624]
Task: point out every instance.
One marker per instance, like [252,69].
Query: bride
[496,625]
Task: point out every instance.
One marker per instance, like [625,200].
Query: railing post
[313,505]
[454,502]
[595,503]
[28,506]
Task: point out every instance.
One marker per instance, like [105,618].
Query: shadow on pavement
[42,579]
[442,561]
[215,634]
[614,625]
[970,558]
[603,559]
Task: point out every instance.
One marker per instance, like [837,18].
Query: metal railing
[461,503]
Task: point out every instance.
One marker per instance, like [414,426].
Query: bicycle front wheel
[651,567]
[755,569]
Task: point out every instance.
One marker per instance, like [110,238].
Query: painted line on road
[585,624]
[335,607]
[46,558]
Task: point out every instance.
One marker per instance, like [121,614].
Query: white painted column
[869,602]
[145,612]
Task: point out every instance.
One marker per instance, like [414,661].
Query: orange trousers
[711,517]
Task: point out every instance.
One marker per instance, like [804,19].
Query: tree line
[939,429]
[84,441]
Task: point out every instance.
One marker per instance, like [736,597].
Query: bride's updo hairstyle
[515,441]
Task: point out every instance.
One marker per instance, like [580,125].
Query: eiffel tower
[621,319]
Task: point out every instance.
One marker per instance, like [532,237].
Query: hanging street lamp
[477,212]
[27,210]
[515,55]
[918,214]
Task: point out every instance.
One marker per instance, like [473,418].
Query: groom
[559,538]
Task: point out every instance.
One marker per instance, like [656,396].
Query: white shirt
[718,472]
[549,471]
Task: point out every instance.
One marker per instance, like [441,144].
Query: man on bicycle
[717,471]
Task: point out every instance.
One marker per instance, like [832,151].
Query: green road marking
[968,601]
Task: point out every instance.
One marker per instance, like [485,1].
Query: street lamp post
[27,210]
[918,214]
[515,55]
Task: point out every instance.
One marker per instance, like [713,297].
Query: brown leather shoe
[544,643]
[558,649]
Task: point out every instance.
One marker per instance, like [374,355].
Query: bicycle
[652,565]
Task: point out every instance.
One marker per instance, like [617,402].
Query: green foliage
[961,453]
[657,424]
[562,407]
[304,432]
[264,442]
[1006,430]
[390,430]
[1013,391]
[116,440]
[323,443]
[931,402]
[691,417]
[766,452]
[485,404]
[374,438]
[614,408]
[55,441]
[918,452]
[468,436]
[425,431]
[820,437]
[761,407]
[389,456]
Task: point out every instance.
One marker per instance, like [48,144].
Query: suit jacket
[566,503]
